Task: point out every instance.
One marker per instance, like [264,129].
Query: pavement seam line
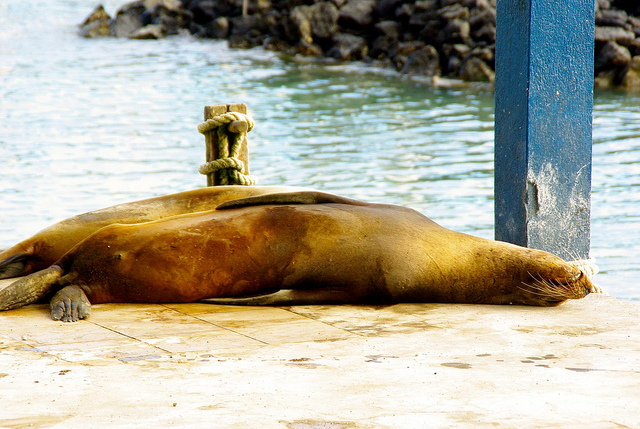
[216,325]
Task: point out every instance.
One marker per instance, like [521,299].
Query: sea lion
[321,249]
[48,245]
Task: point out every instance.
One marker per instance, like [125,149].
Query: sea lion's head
[556,281]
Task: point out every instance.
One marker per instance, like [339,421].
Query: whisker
[543,288]
[532,290]
[549,289]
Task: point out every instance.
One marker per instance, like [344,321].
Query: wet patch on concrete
[534,359]
[378,358]
[317,424]
[303,363]
[34,421]
[458,365]
[138,358]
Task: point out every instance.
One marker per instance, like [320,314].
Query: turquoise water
[89,123]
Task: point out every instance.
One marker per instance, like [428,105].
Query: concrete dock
[324,367]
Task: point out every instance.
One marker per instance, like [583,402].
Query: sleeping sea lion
[300,248]
[48,245]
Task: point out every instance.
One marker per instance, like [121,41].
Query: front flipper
[288,297]
[14,265]
[302,197]
[70,304]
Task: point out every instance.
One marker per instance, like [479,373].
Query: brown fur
[47,246]
[340,252]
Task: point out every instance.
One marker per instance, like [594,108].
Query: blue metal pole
[544,102]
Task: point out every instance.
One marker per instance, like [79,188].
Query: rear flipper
[70,304]
[291,297]
[29,289]
[14,265]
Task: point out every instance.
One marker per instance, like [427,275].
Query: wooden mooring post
[543,108]
[211,137]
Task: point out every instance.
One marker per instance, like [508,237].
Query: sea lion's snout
[579,285]
[557,283]
[575,285]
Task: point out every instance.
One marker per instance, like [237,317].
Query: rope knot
[220,164]
[225,119]
[231,129]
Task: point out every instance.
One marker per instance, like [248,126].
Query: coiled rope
[228,165]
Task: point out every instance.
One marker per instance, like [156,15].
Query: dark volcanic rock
[129,19]
[248,31]
[456,31]
[307,23]
[219,28]
[614,34]
[151,31]
[204,11]
[298,26]
[611,18]
[348,47]
[423,62]
[455,53]
[630,6]
[383,47]
[406,48]
[389,29]
[97,24]
[631,80]
[357,14]
[386,9]
[323,18]
[454,11]
[454,38]
[475,70]
[611,55]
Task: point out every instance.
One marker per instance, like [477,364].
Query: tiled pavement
[312,367]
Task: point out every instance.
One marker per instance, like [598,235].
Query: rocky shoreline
[430,38]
